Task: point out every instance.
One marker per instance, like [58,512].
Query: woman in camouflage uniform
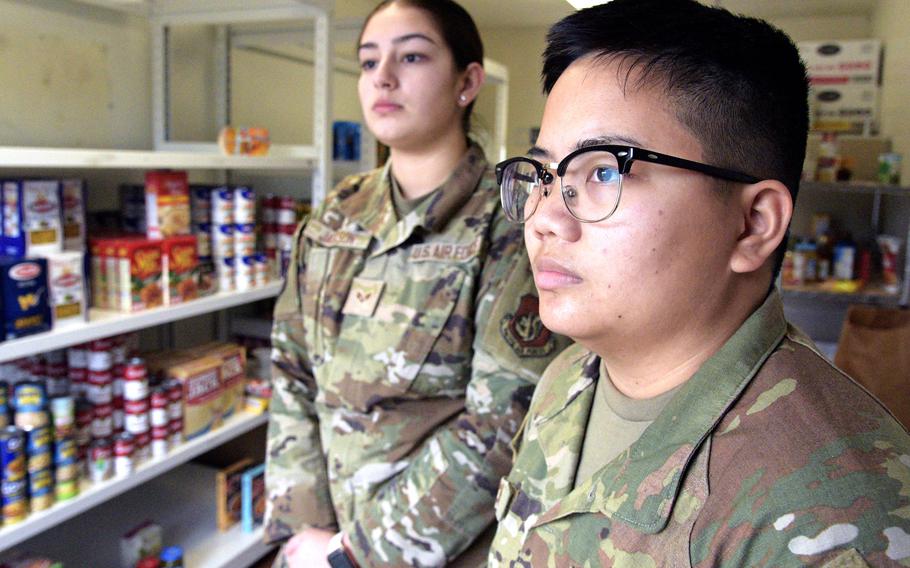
[406,340]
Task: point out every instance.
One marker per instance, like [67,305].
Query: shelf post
[322,111]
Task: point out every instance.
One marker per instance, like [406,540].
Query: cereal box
[23,295]
[202,394]
[67,288]
[233,376]
[167,204]
[72,203]
[179,269]
[139,277]
[31,218]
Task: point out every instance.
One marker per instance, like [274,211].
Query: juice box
[139,277]
[72,202]
[202,394]
[23,295]
[167,204]
[66,280]
[179,269]
[31,218]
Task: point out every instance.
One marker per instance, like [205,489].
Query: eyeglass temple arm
[722,173]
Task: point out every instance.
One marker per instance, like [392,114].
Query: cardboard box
[31,218]
[167,204]
[24,305]
[252,497]
[180,269]
[203,393]
[72,202]
[233,374]
[228,493]
[139,275]
[67,288]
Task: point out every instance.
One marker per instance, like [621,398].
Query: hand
[306,549]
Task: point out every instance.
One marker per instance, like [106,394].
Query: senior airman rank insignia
[524,332]
[363,297]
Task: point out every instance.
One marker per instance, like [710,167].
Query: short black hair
[737,83]
[458,30]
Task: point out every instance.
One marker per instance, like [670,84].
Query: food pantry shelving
[198,537]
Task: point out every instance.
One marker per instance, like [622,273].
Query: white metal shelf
[104,323]
[300,158]
[94,495]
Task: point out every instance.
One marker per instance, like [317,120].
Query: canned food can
[12,454]
[269,208]
[15,500]
[135,385]
[203,232]
[223,240]
[200,203]
[118,416]
[100,460]
[136,416]
[38,447]
[244,239]
[244,205]
[287,211]
[159,448]
[286,237]
[118,350]
[103,421]
[99,355]
[66,460]
[245,272]
[100,388]
[63,414]
[124,447]
[77,358]
[224,268]
[66,489]
[159,407]
[175,399]
[175,432]
[41,490]
[143,442]
[270,236]
[261,270]
[29,403]
[222,205]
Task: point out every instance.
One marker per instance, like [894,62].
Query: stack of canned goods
[279,218]
[85,412]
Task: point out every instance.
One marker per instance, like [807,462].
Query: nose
[552,218]
[384,76]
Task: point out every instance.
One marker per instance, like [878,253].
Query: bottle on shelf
[827,163]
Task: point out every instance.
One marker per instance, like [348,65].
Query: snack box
[227,493]
[66,280]
[233,374]
[139,276]
[180,269]
[167,204]
[203,393]
[31,218]
[24,297]
[72,203]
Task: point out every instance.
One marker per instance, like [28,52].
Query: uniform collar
[640,486]
[432,215]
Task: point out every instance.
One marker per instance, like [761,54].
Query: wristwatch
[337,555]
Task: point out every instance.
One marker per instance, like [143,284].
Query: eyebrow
[398,40]
[539,152]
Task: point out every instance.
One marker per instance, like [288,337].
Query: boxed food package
[72,203]
[167,204]
[252,497]
[98,279]
[31,218]
[180,269]
[24,297]
[202,394]
[139,275]
[233,375]
[67,288]
[228,493]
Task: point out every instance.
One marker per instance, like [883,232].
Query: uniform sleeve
[433,509]
[296,479]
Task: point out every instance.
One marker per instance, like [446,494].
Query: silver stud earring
[463,98]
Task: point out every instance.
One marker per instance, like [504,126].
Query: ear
[766,209]
[472,79]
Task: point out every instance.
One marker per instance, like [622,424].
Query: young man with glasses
[690,425]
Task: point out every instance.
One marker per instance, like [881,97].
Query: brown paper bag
[874,348]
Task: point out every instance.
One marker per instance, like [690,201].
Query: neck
[644,367]
[420,170]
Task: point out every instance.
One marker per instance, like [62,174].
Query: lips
[550,274]
[383,106]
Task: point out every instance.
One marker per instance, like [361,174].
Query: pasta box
[31,218]
[24,296]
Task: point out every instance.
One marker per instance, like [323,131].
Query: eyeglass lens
[591,187]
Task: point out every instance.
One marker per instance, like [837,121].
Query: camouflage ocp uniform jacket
[404,357]
[767,456]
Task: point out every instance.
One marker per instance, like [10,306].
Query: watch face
[339,559]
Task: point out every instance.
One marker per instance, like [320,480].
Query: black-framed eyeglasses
[590,180]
